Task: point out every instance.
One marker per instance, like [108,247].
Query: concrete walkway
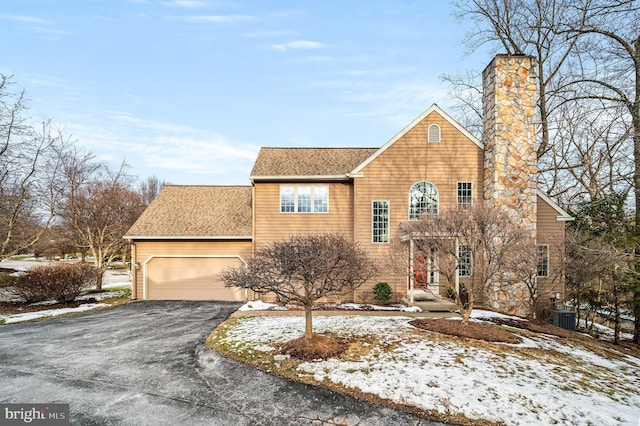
[340,312]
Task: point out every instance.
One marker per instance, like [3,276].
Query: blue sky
[188,90]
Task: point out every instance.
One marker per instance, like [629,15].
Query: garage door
[190,278]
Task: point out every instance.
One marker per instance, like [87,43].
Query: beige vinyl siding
[391,175]
[187,270]
[550,231]
[272,225]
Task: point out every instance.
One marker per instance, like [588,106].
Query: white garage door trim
[183,256]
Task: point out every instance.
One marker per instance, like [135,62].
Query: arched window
[433,135]
[423,198]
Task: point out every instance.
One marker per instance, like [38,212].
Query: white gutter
[186,237]
[301,177]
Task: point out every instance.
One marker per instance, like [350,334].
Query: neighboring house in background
[190,233]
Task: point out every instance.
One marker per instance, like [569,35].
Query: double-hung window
[465,194]
[542,251]
[304,199]
[380,221]
[464,261]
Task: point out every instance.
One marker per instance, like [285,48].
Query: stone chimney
[509,136]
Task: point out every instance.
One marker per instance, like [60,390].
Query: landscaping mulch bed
[319,347]
[471,330]
[496,333]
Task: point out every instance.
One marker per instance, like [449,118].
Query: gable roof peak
[433,108]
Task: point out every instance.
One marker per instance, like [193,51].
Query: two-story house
[190,233]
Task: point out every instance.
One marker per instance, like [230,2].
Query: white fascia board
[357,171]
[563,216]
[186,237]
[302,177]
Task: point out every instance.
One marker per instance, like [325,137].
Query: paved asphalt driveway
[145,363]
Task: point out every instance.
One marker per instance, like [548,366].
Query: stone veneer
[510,161]
[509,136]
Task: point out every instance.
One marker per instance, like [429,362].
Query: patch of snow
[604,331]
[10,319]
[411,309]
[482,314]
[559,383]
[259,305]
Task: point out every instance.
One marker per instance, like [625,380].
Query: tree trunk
[308,323]
[465,304]
[100,274]
[616,323]
[636,313]
[635,115]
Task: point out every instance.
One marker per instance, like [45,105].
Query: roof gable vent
[433,134]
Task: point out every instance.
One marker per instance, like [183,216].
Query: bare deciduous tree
[491,240]
[29,170]
[150,188]
[519,27]
[100,211]
[524,268]
[588,54]
[303,269]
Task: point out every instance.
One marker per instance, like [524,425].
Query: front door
[425,271]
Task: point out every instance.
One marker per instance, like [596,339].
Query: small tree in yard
[303,269]
[491,241]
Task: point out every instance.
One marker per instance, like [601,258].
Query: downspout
[457,271]
[134,271]
[411,272]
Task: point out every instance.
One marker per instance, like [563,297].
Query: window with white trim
[433,134]
[423,199]
[287,199]
[542,252]
[465,193]
[380,221]
[304,199]
[464,261]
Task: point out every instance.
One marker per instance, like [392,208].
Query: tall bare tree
[303,269]
[150,188]
[588,52]
[519,27]
[608,68]
[100,211]
[29,170]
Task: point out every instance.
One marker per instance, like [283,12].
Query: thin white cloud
[215,19]
[176,153]
[312,59]
[398,103]
[23,18]
[50,31]
[269,34]
[190,4]
[299,45]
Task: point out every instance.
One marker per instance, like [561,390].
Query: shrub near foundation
[382,292]
[61,282]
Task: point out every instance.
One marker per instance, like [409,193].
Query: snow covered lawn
[544,380]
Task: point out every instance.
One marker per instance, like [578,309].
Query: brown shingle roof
[196,211]
[309,161]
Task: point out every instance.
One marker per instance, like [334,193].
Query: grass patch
[21,257]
